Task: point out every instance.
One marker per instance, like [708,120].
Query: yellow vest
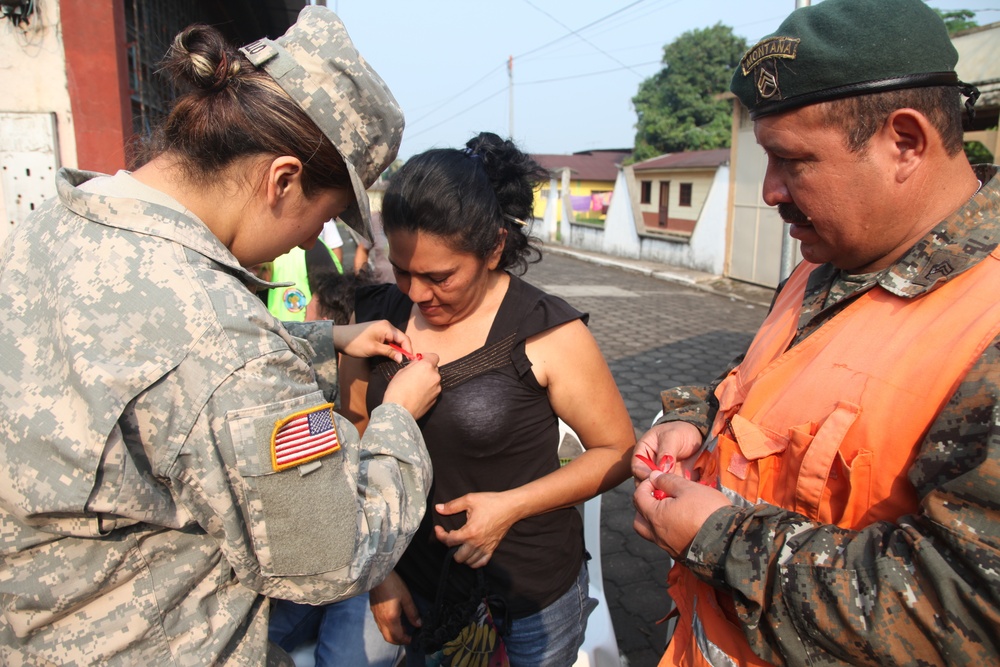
[288,304]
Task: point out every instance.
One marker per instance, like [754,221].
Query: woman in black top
[514,361]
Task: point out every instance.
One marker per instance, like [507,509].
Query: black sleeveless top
[492,429]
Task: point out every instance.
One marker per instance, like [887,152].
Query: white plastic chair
[600,648]
[672,623]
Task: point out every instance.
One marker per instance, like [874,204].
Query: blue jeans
[550,638]
[345,632]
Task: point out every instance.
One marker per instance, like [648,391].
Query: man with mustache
[848,462]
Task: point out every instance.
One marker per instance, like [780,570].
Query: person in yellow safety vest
[288,304]
[854,450]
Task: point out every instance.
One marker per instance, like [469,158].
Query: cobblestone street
[655,334]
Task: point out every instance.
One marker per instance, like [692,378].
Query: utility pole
[787,244]
[510,96]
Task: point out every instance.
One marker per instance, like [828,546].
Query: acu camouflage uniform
[820,595]
[141,519]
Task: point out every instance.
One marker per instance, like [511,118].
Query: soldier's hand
[672,523]
[371,339]
[679,440]
[416,386]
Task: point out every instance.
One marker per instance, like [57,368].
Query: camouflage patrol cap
[841,48]
[316,63]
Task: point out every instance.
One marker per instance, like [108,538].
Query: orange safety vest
[830,427]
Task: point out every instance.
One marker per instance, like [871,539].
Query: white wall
[33,80]
[586,237]
[620,236]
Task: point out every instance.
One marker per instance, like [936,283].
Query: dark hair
[468,196]
[231,110]
[861,116]
[335,293]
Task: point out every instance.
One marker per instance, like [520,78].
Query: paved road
[655,334]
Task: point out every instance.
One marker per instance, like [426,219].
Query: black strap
[924,80]
[971,95]
[446,621]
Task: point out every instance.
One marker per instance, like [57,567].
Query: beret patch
[841,48]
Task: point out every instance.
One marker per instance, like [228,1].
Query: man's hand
[679,440]
[672,523]
[370,339]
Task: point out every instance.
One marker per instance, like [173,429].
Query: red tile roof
[593,165]
[685,160]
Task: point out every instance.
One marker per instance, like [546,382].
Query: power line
[456,115]
[770,21]
[592,23]
[577,33]
[459,93]
[581,76]
[441,105]
[577,57]
[647,11]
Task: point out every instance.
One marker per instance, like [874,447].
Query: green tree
[680,107]
[977,153]
[392,169]
[958,19]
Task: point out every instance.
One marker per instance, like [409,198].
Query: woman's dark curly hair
[468,196]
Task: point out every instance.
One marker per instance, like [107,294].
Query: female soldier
[168,454]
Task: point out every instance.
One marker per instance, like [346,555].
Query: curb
[707,282]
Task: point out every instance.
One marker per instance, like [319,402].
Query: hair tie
[516,221]
[471,153]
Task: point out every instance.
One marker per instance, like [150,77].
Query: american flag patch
[303,437]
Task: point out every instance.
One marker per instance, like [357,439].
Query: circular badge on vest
[294,300]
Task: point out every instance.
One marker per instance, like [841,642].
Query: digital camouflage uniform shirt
[820,595]
[142,519]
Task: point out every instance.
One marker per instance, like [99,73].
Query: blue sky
[577,63]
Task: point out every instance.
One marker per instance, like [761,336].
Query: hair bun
[201,58]
[513,174]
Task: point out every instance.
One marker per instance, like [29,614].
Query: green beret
[841,48]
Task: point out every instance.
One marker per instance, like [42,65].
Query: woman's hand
[487,520]
[390,601]
[416,386]
[370,339]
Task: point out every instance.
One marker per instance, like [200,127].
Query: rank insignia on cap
[304,436]
[763,57]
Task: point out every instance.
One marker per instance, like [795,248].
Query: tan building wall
[680,218]
[755,230]
[33,78]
